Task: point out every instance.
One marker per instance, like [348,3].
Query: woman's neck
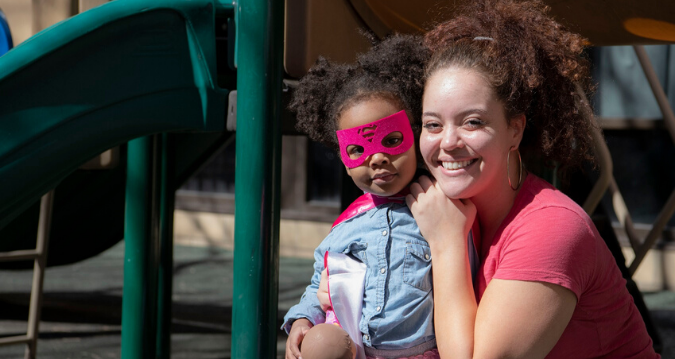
[492,207]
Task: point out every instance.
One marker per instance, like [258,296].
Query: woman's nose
[378,159]
[451,139]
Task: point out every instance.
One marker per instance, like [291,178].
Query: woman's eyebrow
[479,111]
[430,113]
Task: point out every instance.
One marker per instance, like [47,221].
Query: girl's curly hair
[534,64]
[393,70]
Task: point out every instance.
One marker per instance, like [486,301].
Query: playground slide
[124,70]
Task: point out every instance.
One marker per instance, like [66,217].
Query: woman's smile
[457,165]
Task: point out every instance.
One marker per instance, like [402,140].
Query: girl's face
[465,137]
[381,174]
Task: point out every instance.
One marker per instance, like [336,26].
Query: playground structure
[154,75]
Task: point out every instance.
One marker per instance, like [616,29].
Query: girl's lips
[383,178]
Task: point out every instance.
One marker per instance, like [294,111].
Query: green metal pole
[165,275]
[140,258]
[258,141]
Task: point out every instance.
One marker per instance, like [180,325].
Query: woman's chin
[456,189]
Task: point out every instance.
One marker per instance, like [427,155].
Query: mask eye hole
[392,140]
[354,151]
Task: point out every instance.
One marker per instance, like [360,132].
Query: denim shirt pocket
[358,251]
[417,265]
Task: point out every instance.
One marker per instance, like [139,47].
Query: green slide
[124,70]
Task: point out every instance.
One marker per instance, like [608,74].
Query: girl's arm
[515,319]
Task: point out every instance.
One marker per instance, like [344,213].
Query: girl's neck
[492,208]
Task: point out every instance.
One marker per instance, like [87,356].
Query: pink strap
[369,201]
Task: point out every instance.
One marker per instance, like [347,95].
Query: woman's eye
[432,126]
[474,123]
[392,140]
[354,151]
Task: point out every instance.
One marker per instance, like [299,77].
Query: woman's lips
[456,165]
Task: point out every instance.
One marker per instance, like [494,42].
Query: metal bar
[165,274]
[657,89]
[601,153]
[654,233]
[41,247]
[669,119]
[140,258]
[22,255]
[19,339]
[621,211]
[256,261]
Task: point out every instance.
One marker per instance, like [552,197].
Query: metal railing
[39,256]
[607,182]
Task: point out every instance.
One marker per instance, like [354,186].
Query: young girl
[369,112]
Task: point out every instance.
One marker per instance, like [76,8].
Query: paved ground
[82,308]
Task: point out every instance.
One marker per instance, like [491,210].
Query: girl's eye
[354,151]
[393,139]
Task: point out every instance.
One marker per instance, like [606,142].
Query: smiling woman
[502,81]
[465,133]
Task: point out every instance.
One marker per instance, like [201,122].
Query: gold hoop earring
[508,168]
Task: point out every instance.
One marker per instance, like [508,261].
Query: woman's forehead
[459,90]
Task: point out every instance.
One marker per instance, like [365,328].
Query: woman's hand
[322,292]
[445,223]
[438,216]
[295,336]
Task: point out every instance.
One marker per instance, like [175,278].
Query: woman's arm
[519,319]
[515,319]
[445,224]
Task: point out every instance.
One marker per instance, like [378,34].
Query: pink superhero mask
[371,135]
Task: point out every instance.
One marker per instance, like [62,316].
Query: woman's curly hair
[534,64]
[393,70]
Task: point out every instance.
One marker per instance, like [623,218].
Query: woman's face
[465,137]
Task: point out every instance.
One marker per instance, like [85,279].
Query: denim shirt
[398,301]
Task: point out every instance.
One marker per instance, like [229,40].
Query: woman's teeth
[457,165]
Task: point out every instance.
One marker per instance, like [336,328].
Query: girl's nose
[378,159]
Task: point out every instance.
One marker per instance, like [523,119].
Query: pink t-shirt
[546,237]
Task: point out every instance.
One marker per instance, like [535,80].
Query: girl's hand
[322,292]
[438,216]
[295,336]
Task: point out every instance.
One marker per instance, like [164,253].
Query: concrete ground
[82,305]
[83,302]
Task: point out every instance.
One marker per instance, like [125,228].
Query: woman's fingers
[415,189]
[425,182]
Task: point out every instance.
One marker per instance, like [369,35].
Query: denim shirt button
[383,270]
[378,308]
[426,256]
[366,337]
[384,233]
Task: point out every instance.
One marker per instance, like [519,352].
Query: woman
[503,81]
